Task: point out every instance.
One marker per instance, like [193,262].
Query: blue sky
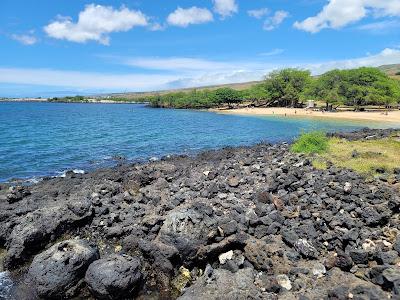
[64,47]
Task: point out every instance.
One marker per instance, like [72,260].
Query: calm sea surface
[41,139]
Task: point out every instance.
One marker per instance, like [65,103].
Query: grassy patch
[320,163]
[365,157]
[311,143]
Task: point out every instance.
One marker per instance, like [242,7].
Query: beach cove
[47,139]
[381,116]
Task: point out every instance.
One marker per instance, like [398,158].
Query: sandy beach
[376,116]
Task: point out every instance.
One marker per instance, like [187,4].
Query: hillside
[134,95]
[391,70]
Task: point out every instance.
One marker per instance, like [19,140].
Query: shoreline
[393,116]
[68,102]
[249,214]
[376,116]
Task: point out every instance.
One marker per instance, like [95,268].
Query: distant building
[311,104]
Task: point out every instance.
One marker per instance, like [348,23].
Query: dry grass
[320,163]
[369,155]
[136,95]
[395,77]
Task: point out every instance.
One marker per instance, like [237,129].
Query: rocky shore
[239,223]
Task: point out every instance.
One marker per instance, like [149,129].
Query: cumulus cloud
[258,13]
[95,23]
[183,17]
[225,8]
[339,13]
[25,39]
[274,21]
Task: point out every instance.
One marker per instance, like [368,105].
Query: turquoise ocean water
[45,139]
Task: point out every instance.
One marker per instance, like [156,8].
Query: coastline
[393,116]
[232,213]
[90,101]
[375,116]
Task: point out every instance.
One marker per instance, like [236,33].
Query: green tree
[257,94]
[227,95]
[286,87]
[356,87]
[329,88]
[369,86]
[386,92]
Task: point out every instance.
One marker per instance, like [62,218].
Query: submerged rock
[6,285]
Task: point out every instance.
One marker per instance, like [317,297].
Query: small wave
[75,171]
[24,181]
[34,180]
[6,285]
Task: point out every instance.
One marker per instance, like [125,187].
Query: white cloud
[387,56]
[216,78]
[176,64]
[273,22]
[156,27]
[225,8]
[380,27]
[202,73]
[384,7]
[25,39]
[258,13]
[273,52]
[339,13]
[95,23]
[85,80]
[184,17]
[258,71]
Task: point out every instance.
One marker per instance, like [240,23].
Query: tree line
[292,88]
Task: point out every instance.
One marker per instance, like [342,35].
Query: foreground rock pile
[243,223]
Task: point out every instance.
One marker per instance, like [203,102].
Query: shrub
[313,142]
